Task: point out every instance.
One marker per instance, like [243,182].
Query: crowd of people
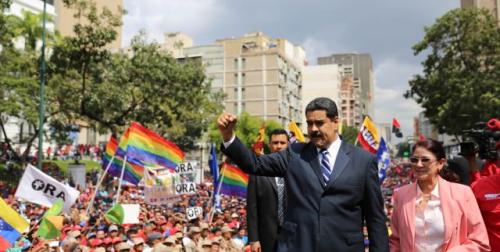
[415,204]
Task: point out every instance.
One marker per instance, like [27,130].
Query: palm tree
[29,26]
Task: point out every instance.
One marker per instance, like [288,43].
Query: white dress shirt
[333,150]
[429,222]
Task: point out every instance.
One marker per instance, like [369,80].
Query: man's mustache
[315,134]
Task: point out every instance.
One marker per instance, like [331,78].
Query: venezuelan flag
[234,181]
[12,225]
[146,147]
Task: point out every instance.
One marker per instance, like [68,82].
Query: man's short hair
[279,132]
[323,103]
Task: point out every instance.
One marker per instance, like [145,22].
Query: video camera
[483,140]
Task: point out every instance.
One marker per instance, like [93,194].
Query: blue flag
[383,159]
[214,171]
[212,163]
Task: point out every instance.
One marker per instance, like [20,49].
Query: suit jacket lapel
[447,206]
[340,163]
[310,155]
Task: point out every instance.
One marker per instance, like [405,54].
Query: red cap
[95,242]
[108,240]
[117,240]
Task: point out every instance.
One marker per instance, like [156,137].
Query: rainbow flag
[234,181]
[12,225]
[146,148]
[133,172]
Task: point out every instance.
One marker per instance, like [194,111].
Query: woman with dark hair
[434,214]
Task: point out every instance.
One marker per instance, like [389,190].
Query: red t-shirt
[490,168]
[487,192]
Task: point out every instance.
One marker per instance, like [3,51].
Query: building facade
[358,81]
[65,19]
[490,5]
[320,81]
[263,76]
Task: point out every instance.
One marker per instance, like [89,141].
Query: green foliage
[149,87]
[19,78]
[460,81]
[404,149]
[30,27]
[349,134]
[247,130]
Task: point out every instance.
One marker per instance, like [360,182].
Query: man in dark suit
[332,187]
[265,206]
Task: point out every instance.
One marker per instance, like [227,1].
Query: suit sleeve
[252,213]
[272,165]
[477,236]
[373,207]
[394,242]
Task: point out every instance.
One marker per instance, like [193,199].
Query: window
[243,63]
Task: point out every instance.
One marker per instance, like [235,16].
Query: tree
[109,90]
[247,130]
[5,32]
[459,85]
[349,134]
[19,96]
[30,27]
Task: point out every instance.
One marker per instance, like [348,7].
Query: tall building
[65,19]
[211,56]
[263,76]
[320,81]
[358,69]
[350,111]
[175,42]
[491,5]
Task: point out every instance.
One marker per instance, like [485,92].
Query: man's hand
[226,123]
[255,246]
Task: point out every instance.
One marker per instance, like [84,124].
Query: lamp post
[42,89]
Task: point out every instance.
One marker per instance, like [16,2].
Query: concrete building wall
[360,67]
[320,81]
[65,18]
[491,5]
[263,76]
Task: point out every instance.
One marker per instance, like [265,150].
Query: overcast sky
[386,29]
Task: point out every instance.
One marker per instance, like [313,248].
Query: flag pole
[120,182]
[217,193]
[99,182]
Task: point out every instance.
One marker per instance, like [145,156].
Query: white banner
[194,212]
[40,188]
[131,213]
[77,172]
[190,170]
[159,195]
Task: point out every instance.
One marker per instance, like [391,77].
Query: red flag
[396,128]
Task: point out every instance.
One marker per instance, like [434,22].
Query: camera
[482,140]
